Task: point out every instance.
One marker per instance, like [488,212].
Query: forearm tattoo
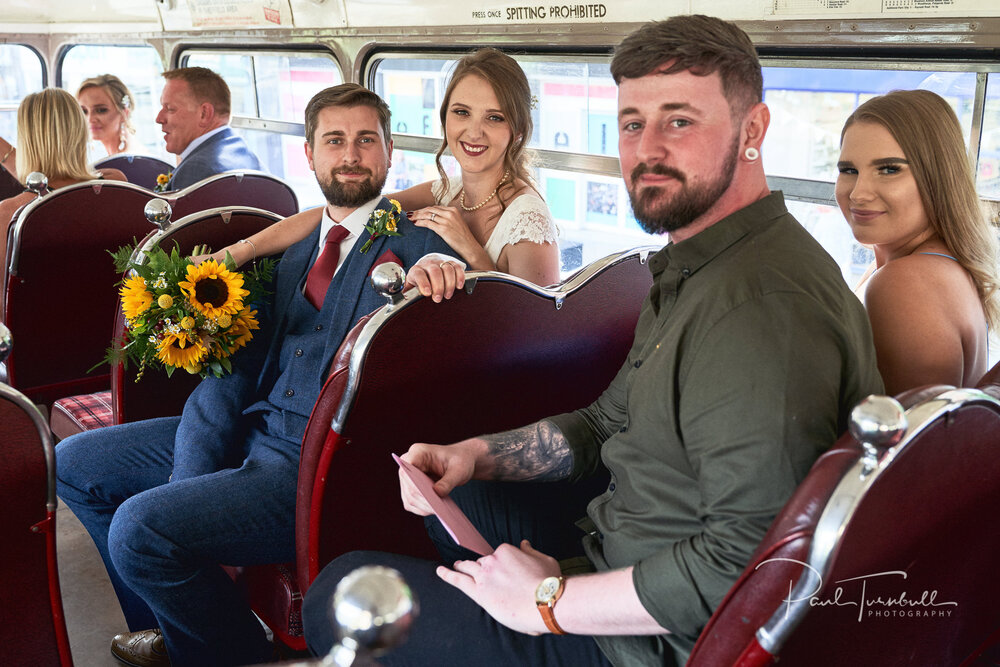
[536,452]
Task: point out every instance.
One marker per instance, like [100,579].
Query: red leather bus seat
[235,188]
[60,295]
[156,395]
[911,549]
[499,356]
[32,625]
[139,169]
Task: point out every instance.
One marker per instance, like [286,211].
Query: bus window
[809,106]
[270,91]
[139,67]
[988,173]
[20,74]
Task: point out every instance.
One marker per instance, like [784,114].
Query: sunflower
[181,350]
[245,323]
[213,289]
[136,299]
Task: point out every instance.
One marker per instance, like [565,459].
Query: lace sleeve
[529,222]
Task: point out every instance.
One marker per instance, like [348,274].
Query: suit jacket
[220,152]
[213,425]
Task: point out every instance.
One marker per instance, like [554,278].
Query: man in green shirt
[749,354]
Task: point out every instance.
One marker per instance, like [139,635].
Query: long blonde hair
[927,129]
[52,137]
[513,92]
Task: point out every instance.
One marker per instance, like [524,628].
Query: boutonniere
[162,181]
[382,223]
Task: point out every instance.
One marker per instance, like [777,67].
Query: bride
[492,215]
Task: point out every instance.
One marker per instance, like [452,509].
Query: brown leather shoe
[141,649]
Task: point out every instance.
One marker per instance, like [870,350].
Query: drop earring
[751,154]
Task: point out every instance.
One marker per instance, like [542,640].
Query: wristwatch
[546,596]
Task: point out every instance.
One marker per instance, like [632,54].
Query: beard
[350,194]
[657,214]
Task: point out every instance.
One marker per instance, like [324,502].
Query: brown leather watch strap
[549,617]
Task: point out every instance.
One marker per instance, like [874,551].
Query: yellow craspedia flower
[181,350]
[213,289]
[193,369]
[224,320]
[187,322]
[165,301]
[136,299]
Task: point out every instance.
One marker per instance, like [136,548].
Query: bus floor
[93,616]
[92,613]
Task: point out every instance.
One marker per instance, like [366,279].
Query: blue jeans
[450,628]
[163,541]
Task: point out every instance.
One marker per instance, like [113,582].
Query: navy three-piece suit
[168,500]
[221,152]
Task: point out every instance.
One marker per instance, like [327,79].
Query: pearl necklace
[461,200]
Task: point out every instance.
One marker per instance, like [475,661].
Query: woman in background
[107,104]
[907,190]
[51,139]
[492,215]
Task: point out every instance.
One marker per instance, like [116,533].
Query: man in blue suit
[194,117]
[168,500]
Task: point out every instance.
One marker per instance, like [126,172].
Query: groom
[169,500]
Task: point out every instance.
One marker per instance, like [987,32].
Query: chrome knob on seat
[5,342]
[158,212]
[37,182]
[388,279]
[878,422]
[373,609]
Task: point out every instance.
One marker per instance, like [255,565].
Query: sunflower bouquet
[184,315]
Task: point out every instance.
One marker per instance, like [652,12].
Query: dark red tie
[320,275]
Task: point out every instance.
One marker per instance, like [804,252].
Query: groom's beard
[355,193]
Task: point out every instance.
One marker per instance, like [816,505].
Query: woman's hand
[447,222]
[219,257]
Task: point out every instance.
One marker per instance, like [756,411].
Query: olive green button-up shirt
[749,353]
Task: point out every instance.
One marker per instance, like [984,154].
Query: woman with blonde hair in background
[491,215]
[907,190]
[51,139]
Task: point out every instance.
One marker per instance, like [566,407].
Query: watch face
[547,589]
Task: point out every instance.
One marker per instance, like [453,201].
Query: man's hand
[436,276]
[451,466]
[504,584]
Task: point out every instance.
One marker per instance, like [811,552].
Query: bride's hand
[447,222]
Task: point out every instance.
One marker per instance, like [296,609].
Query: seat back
[156,395]
[885,561]
[499,355]
[139,169]
[235,188]
[32,625]
[9,185]
[60,295]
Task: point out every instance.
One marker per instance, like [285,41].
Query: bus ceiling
[830,21]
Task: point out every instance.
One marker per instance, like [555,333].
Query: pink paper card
[451,517]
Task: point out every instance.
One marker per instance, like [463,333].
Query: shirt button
[686,272]
[623,429]
[638,362]
[611,486]
[319,327]
[290,393]
[298,353]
